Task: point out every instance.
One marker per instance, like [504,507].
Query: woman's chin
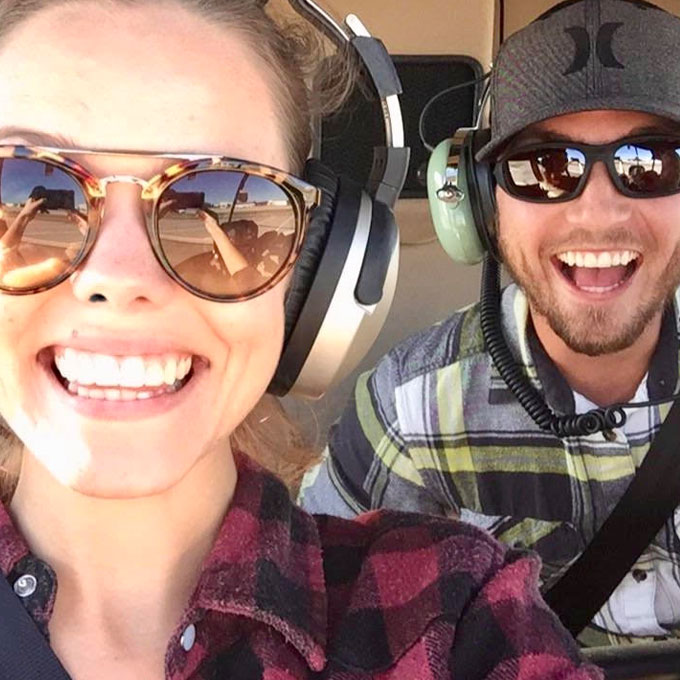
[119,467]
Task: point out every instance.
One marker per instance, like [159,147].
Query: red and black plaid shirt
[285,596]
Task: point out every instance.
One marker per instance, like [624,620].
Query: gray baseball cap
[583,55]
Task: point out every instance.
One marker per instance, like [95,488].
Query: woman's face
[152,79]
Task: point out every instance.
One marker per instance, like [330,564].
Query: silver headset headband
[484,100]
[390,162]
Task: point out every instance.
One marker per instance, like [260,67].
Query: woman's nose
[121,268]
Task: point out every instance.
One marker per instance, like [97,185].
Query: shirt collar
[518,333]
[662,380]
[266,564]
[529,354]
[12,544]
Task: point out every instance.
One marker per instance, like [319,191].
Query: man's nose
[121,268]
[600,203]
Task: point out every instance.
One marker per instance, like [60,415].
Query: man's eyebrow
[541,136]
[537,136]
[36,137]
[656,129]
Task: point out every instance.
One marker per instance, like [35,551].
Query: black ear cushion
[481,186]
[321,176]
[487,203]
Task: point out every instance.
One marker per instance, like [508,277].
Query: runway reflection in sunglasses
[555,171]
[221,232]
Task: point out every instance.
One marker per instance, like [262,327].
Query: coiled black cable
[596,420]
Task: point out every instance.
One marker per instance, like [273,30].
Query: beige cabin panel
[428,26]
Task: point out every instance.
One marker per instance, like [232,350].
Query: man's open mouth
[598,272]
[120,378]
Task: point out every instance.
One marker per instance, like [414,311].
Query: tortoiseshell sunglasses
[226,230]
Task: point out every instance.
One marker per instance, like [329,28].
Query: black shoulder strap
[649,501]
[24,651]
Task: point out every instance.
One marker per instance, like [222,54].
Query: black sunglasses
[550,172]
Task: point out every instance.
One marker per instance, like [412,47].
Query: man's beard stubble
[594,331]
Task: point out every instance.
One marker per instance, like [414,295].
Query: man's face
[626,250]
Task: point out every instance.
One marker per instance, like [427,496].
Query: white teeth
[170,372]
[155,374]
[603,260]
[183,368]
[63,366]
[106,370]
[86,370]
[111,394]
[132,372]
[628,257]
[600,290]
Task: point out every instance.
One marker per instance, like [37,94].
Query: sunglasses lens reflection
[644,169]
[544,174]
[43,223]
[649,169]
[226,233]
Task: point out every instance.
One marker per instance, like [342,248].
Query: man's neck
[606,379]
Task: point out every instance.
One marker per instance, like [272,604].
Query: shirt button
[639,575]
[610,435]
[25,585]
[188,637]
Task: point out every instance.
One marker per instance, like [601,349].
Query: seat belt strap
[650,500]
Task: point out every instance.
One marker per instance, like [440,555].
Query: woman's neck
[125,567]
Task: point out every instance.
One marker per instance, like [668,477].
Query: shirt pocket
[557,542]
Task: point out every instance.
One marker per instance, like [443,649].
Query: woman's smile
[106,376]
[117,384]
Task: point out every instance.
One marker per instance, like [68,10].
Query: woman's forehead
[140,78]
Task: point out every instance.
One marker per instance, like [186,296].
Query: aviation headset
[345,278]
[461,194]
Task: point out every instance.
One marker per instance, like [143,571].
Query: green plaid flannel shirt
[434,428]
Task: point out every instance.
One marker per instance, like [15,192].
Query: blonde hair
[310,79]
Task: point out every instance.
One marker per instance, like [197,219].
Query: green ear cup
[447,190]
